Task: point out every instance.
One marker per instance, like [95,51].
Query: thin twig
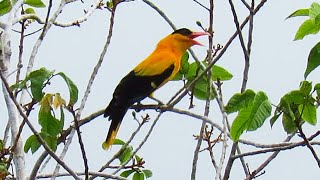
[208,95]
[244,49]
[142,142]
[36,166]
[267,161]
[201,5]
[314,154]
[98,174]
[196,151]
[63,153]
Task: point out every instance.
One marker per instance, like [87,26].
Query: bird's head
[182,39]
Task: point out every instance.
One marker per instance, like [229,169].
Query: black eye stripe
[183,31]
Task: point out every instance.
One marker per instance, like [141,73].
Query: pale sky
[277,66]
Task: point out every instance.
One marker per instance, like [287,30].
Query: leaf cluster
[298,106]
[51,125]
[253,109]
[136,169]
[309,26]
[189,71]
[6,6]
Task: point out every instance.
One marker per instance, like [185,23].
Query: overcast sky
[277,66]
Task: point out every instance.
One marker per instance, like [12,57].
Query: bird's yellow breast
[158,62]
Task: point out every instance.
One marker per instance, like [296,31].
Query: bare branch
[98,174]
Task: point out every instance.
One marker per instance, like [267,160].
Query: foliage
[190,71]
[3,160]
[253,109]
[136,169]
[51,125]
[309,26]
[6,5]
[297,106]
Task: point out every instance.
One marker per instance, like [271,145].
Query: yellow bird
[152,73]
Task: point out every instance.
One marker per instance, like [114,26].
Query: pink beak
[197,34]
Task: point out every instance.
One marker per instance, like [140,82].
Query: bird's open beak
[197,34]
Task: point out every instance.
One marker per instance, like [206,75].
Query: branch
[76,22]
[291,146]
[83,173]
[267,161]
[208,94]
[37,165]
[314,154]
[244,49]
[64,152]
[13,119]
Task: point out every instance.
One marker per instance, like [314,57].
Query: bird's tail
[116,115]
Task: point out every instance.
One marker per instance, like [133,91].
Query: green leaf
[147,173]
[184,63]
[29,11]
[314,10]
[110,4]
[239,101]
[287,108]
[288,124]
[127,173]
[50,125]
[1,145]
[313,60]
[73,90]
[52,141]
[177,77]
[299,12]
[274,118]
[19,85]
[138,159]
[240,123]
[5,7]
[61,122]
[3,170]
[317,20]
[295,96]
[317,89]
[126,154]
[305,87]
[261,110]
[251,117]
[308,27]
[118,142]
[138,176]
[192,71]
[37,78]
[35,3]
[200,90]
[309,113]
[31,143]
[220,73]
